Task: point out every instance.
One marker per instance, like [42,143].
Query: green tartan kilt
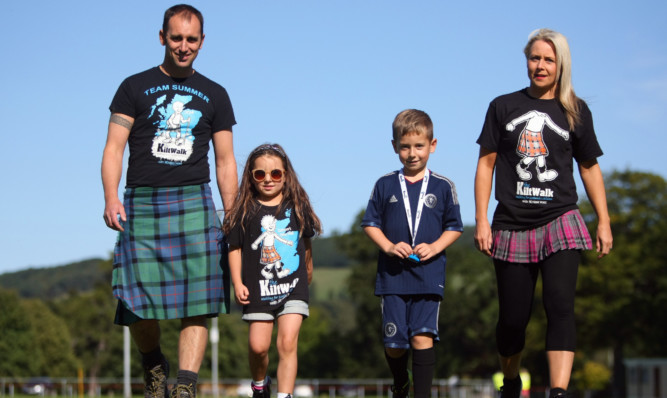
[170,262]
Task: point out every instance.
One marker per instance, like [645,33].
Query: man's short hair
[187,11]
[412,121]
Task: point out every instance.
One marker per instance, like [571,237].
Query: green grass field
[328,283]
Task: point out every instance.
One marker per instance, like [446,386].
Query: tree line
[620,311]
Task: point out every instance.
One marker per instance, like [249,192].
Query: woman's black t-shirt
[534,181]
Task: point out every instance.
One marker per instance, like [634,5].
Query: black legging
[516,289]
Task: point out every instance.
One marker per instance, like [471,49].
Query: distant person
[412,216]
[271,262]
[525,382]
[167,261]
[530,138]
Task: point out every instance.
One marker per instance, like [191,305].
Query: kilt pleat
[169,263]
[567,232]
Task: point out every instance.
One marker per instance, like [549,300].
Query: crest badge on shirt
[430,201]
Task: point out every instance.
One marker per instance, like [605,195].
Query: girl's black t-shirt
[273,257]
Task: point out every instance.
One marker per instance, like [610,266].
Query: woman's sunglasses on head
[259,174]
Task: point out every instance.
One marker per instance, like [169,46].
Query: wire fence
[305,388]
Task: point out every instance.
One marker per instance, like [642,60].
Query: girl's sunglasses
[259,175]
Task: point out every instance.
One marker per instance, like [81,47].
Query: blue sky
[324,79]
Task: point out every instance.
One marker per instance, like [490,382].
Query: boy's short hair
[412,121]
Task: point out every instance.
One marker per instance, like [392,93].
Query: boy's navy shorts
[404,316]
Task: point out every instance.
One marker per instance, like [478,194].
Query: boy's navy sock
[399,368]
[152,359]
[423,364]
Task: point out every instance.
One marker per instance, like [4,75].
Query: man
[167,258]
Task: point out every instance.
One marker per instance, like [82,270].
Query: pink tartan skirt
[567,232]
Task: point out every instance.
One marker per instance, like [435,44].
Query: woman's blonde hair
[564,90]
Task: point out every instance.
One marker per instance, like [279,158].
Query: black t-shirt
[174,121]
[273,258]
[534,182]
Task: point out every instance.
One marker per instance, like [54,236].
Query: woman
[530,138]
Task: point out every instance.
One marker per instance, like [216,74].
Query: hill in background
[52,282]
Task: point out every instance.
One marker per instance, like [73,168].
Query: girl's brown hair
[245,204]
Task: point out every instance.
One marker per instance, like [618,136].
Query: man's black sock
[187,378]
[152,359]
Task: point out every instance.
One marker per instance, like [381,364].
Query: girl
[537,227]
[270,259]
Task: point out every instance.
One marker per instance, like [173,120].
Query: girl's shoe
[263,391]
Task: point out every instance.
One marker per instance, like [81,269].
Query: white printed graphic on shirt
[278,256]
[531,144]
[173,141]
[270,257]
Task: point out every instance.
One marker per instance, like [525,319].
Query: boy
[412,216]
